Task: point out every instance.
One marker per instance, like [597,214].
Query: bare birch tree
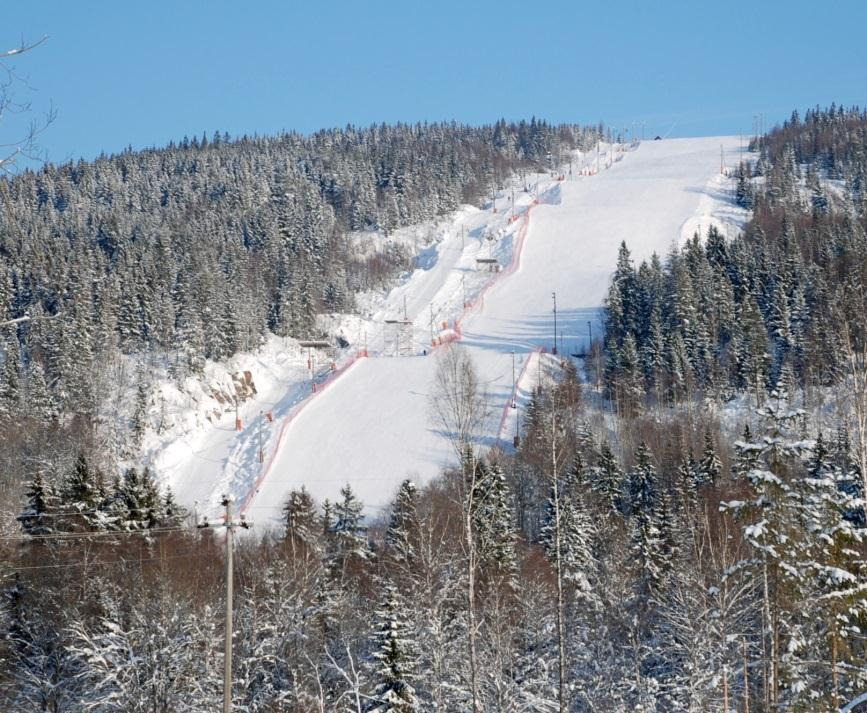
[558,452]
[459,406]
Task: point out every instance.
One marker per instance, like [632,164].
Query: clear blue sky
[142,73]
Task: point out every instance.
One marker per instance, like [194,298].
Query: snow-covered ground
[201,452]
[370,423]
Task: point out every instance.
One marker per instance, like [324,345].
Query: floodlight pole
[310,366]
[517,440]
[261,452]
[554,297]
[432,338]
[514,402]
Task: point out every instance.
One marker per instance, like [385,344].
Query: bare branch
[22,48]
[24,146]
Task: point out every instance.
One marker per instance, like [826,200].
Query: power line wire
[99,533]
[100,563]
[65,513]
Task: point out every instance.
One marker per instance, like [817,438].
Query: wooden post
[230,526]
[227,668]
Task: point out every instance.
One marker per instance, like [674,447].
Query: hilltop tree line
[830,142]
[671,570]
[784,298]
[197,250]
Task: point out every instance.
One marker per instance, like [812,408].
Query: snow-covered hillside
[369,422]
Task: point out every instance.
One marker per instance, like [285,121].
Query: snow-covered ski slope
[370,423]
[373,426]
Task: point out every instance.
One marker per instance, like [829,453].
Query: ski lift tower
[489,264]
[401,339]
[310,345]
[401,330]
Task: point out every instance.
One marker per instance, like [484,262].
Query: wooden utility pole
[227,667]
[230,526]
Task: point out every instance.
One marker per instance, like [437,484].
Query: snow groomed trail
[518,219]
[372,426]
